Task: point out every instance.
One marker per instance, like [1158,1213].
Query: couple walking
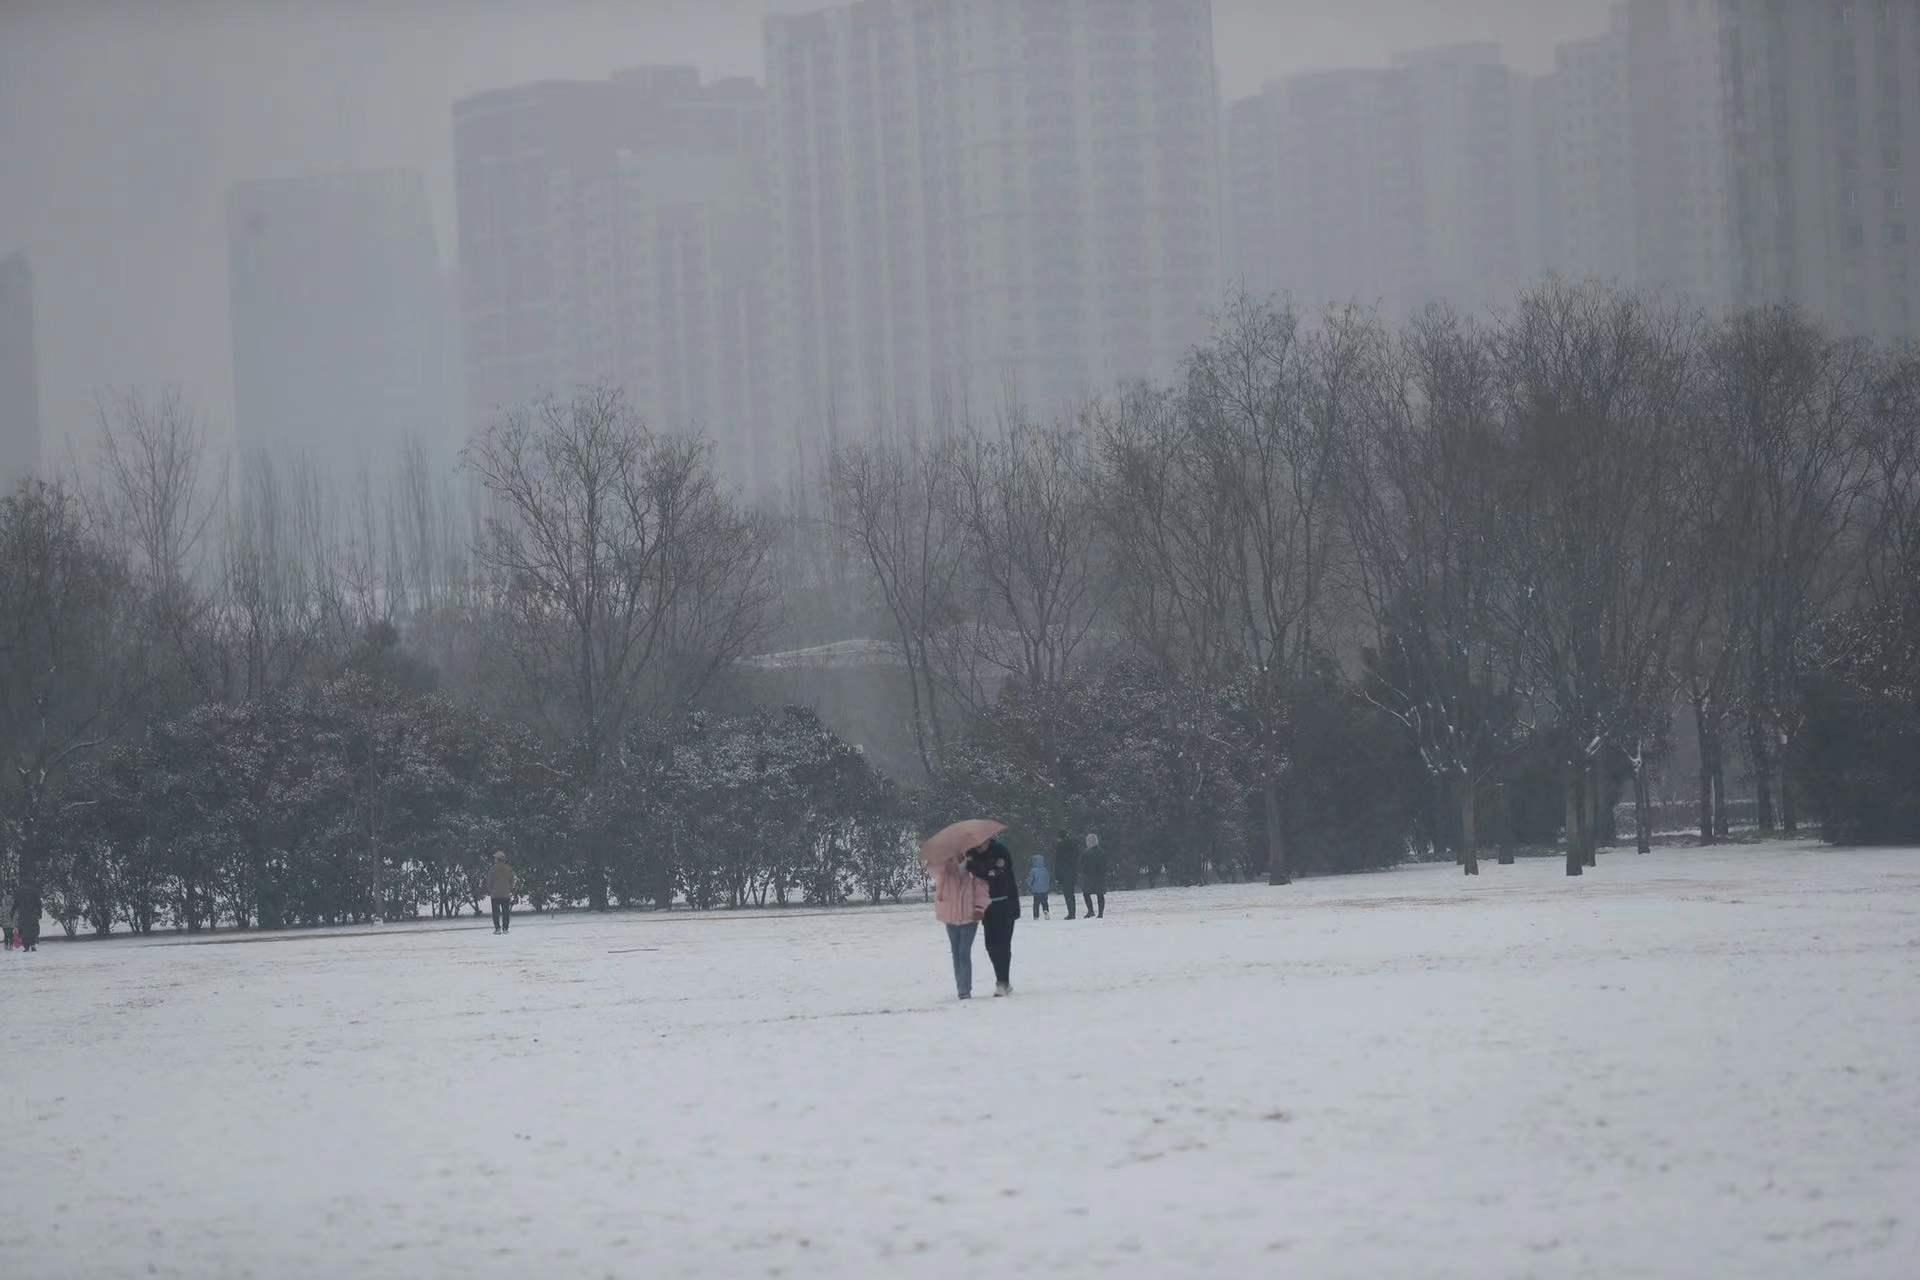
[975,889]
[1069,868]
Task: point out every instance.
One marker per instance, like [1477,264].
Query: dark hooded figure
[1066,869]
[27,908]
[993,863]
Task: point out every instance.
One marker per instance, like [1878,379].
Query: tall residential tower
[19,375]
[342,323]
[999,206]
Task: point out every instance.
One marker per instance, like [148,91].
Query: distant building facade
[342,319]
[1002,205]
[1822,108]
[615,233]
[1582,115]
[19,375]
[1743,152]
[1394,186]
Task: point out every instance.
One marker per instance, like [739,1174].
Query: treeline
[1349,587]
[1345,590]
[236,701]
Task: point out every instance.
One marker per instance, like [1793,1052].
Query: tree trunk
[1589,814]
[1789,811]
[1469,847]
[1642,804]
[1276,836]
[1762,773]
[1575,860]
[1719,788]
[1703,730]
[1505,819]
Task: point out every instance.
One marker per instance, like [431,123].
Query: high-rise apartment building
[1582,111]
[1323,188]
[19,375]
[1743,152]
[342,320]
[614,233]
[1004,202]
[1822,106]
[1681,157]
[1393,186]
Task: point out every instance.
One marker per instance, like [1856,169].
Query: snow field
[1693,1063]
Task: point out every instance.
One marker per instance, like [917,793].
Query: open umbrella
[954,842]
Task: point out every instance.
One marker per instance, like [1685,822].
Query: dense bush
[1857,755]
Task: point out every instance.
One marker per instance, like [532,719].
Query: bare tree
[1596,388]
[1024,503]
[890,502]
[1889,542]
[1792,406]
[1422,497]
[156,499]
[75,658]
[275,611]
[1269,405]
[627,576]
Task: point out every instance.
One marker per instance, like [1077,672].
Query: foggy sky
[122,124]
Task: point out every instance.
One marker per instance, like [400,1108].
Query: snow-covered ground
[1687,1064]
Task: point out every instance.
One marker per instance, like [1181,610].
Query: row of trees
[1521,539]
[1343,590]
[235,699]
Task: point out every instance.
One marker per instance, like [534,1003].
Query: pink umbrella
[956,840]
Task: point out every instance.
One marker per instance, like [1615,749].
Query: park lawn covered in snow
[1692,1063]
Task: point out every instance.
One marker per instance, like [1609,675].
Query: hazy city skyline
[122,131]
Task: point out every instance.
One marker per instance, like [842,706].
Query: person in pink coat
[960,902]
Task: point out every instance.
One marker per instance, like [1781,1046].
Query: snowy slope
[1684,1064]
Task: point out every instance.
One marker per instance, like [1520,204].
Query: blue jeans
[960,938]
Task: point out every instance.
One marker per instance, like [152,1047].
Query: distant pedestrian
[1066,868]
[6,916]
[500,886]
[27,909]
[1093,874]
[1039,884]
[993,863]
[959,902]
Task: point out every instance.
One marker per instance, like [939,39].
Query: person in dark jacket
[500,887]
[1066,868]
[993,862]
[27,908]
[1093,872]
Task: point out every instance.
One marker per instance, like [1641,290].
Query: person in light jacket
[960,902]
[500,887]
[1039,884]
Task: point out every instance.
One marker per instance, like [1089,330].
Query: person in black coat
[1066,868]
[27,908]
[993,862]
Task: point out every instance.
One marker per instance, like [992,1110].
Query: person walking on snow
[500,887]
[27,907]
[993,862]
[1066,868]
[1093,871]
[1038,884]
[959,902]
